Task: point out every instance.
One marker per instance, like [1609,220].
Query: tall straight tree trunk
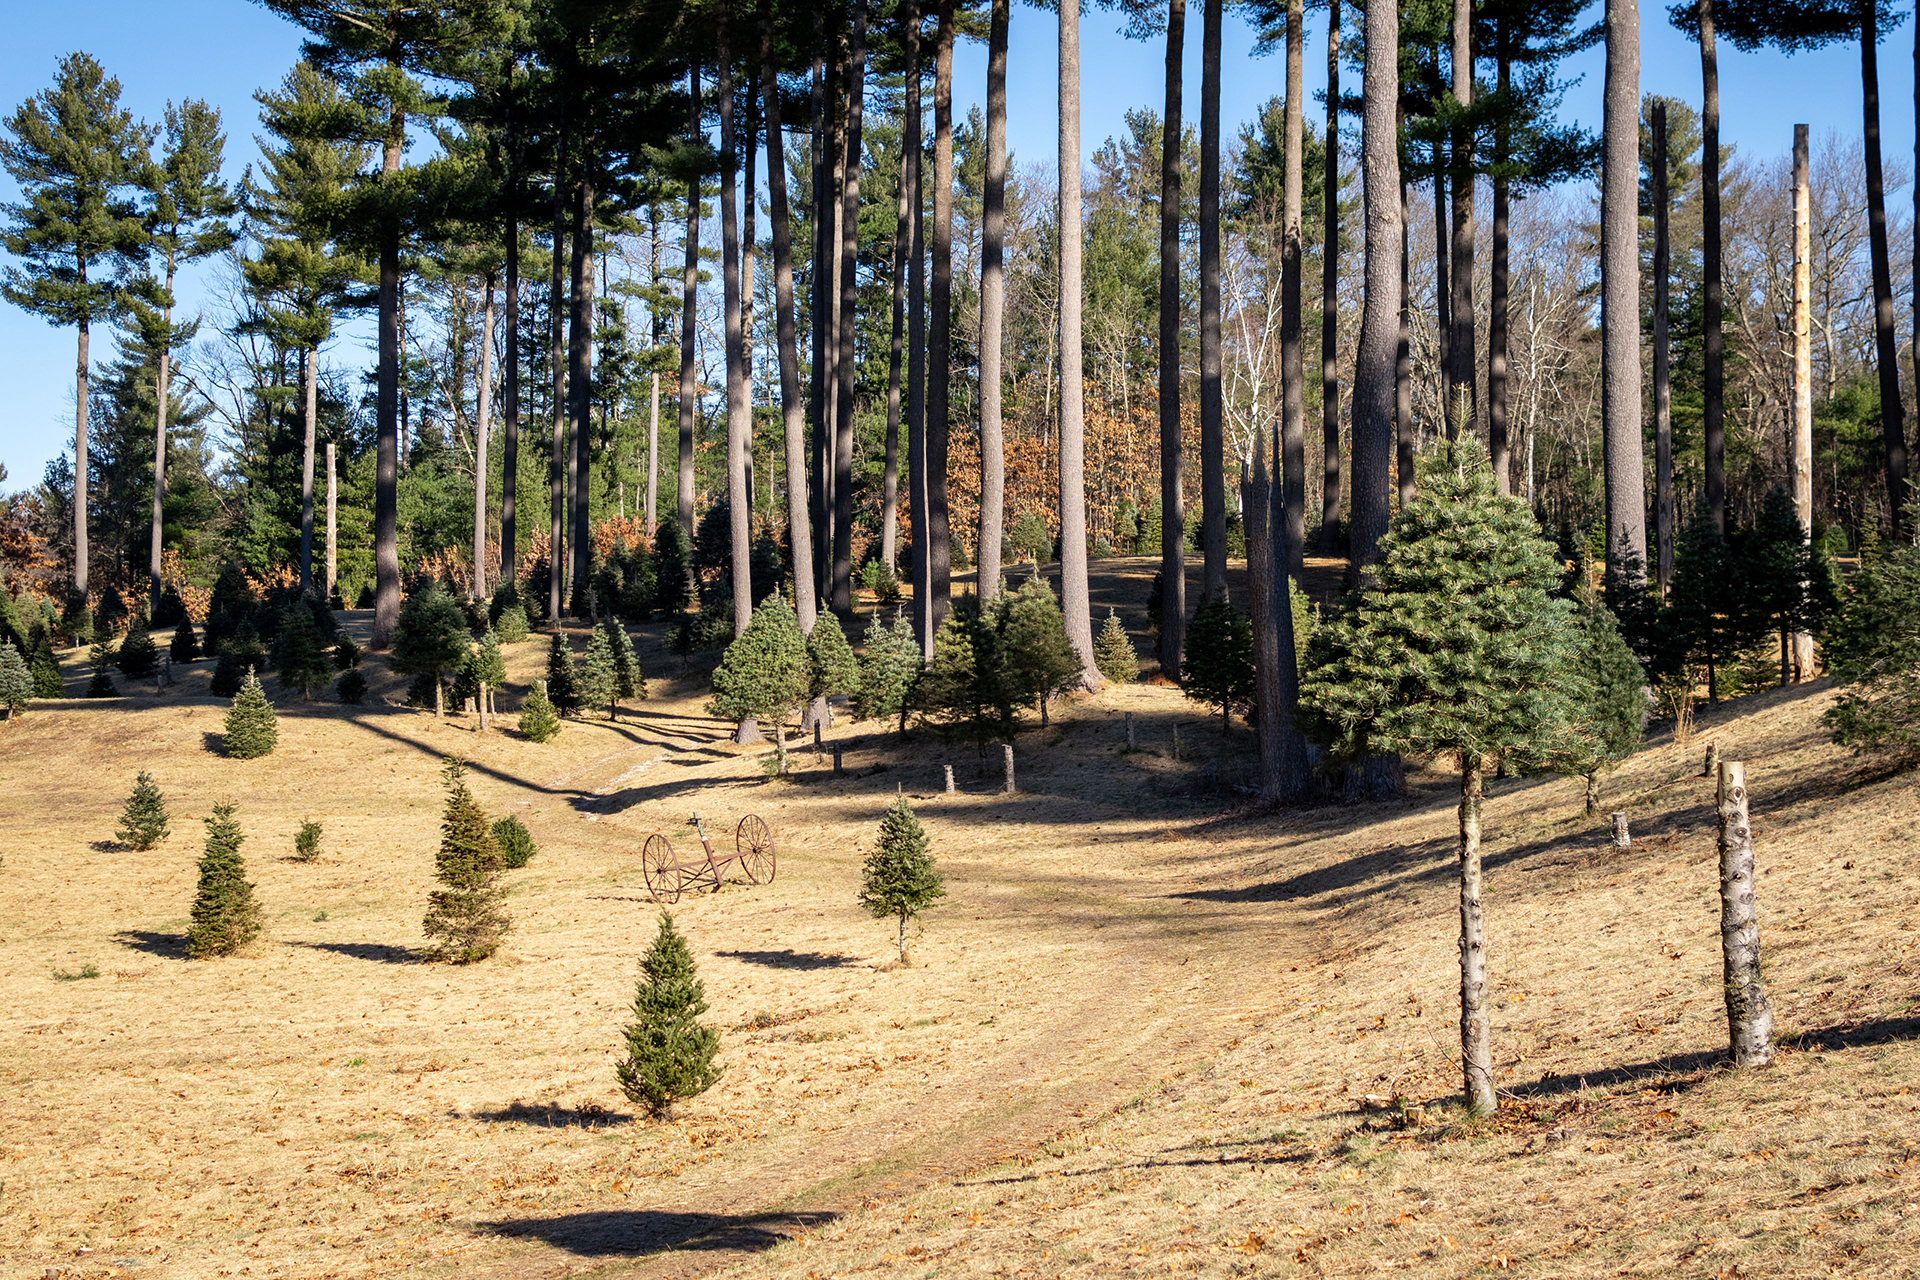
[1330,301]
[1213,492]
[1461,410]
[819,386]
[1892,414]
[309,416]
[557,368]
[799,527]
[896,368]
[1802,451]
[386,473]
[833,174]
[580,389]
[482,422]
[1403,428]
[162,390]
[333,500]
[739,412]
[510,402]
[940,340]
[1620,298]
[1173,498]
[849,297]
[1073,481]
[1375,351]
[1712,341]
[993,231]
[1476,1031]
[1290,529]
[1499,451]
[1442,283]
[686,421]
[917,489]
[1276,677]
[1662,354]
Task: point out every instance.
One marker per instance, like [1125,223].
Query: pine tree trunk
[1375,352]
[819,382]
[557,370]
[849,297]
[1892,413]
[916,349]
[1712,340]
[439,698]
[1403,365]
[1443,285]
[1749,1019]
[1802,449]
[1213,492]
[1620,298]
[739,412]
[993,226]
[1276,680]
[510,396]
[386,479]
[940,341]
[826,437]
[1330,302]
[896,365]
[309,422]
[1662,355]
[333,498]
[482,421]
[1173,500]
[1289,533]
[1073,491]
[689,332]
[653,451]
[1593,792]
[1461,410]
[580,389]
[1476,1032]
[162,390]
[1499,451]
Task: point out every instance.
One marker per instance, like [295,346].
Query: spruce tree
[1037,662]
[538,720]
[466,918]
[298,653]
[628,680]
[137,656]
[1608,707]
[1217,667]
[898,878]
[1710,615]
[351,687]
[889,666]
[101,686]
[560,689]
[833,670]
[76,621]
[346,654]
[511,625]
[1113,651]
[672,567]
[16,681]
[225,916]
[185,645]
[1455,647]
[594,681]
[143,822]
[306,841]
[47,680]
[1872,648]
[251,729]
[669,1054]
[515,842]
[765,674]
[430,638]
[964,692]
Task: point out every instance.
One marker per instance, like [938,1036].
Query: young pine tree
[47,681]
[1217,667]
[1872,647]
[16,681]
[888,669]
[1037,662]
[594,681]
[1453,654]
[466,917]
[1113,652]
[561,690]
[669,1054]
[251,729]
[628,680]
[834,670]
[538,720]
[765,674]
[101,686]
[430,638]
[299,655]
[899,878]
[185,645]
[137,656]
[1609,709]
[489,673]
[965,692]
[143,822]
[225,916]
[306,841]
[515,841]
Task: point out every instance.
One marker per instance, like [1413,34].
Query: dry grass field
[1151,1030]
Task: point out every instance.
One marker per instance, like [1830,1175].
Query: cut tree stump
[1622,837]
[949,769]
[1749,1020]
[1008,749]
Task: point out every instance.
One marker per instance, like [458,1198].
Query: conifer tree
[143,822]
[964,692]
[561,676]
[1872,647]
[628,680]
[185,645]
[672,567]
[1113,650]
[306,841]
[225,916]
[351,687]
[765,674]
[1608,708]
[515,841]
[594,681]
[489,668]
[16,681]
[101,685]
[669,1054]
[431,638]
[346,654]
[299,654]
[251,729]
[538,720]
[1449,653]
[1036,660]
[47,681]
[889,667]
[1709,615]
[1217,667]
[899,878]
[137,656]
[466,917]
[834,669]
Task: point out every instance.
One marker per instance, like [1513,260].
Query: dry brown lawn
[1150,1031]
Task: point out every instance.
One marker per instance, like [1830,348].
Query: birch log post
[1749,1020]
[1008,749]
[1476,1032]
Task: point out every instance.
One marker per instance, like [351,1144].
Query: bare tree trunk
[653,450]
[993,228]
[849,296]
[923,625]
[1620,298]
[510,399]
[833,175]
[1892,413]
[1276,677]
[1461,410]
[1499,451]
[1749,1020]
[1330,301]
[940,340]
[896,366]
[1662,355]
[1375,352]
[162,390]
[482,421]
[1173,499]
[1290,531]
[333,498]
[1712,344]
[557,368]
[1802,463]
[689,319]
[1213,492]
[1073,484]
[386,477]
[1476,1032]
[309,415]
[1442,284]
[580,389]
[739,419]
[1403,365]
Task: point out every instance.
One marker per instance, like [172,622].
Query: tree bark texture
[1712,338]
[896,371]
[1749,1019]
[849,297]
[1330,302]
[510,401]
[834,172]
[1276,679]
[1476,1031]
[1377,348]
[309,416]
[482,423]
[1173,500]
[580,390]
[1213,492]
[916,348]
[993,230]
[1289,534]
[1802,449]
[819,383]
[386,467]
[1620,297]
[940,340]
[557,368]
[1662,354]
[739,412]
[1499,450]
[333,502]
[1074,603]
[1461,409]
[689,320]
[162,390]
[1892,413]
[1404,431]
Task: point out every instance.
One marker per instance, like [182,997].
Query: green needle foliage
[138,655]
[185,645]
[143,822]
[1872,647]
[299,654]
[1113,652]
[346,654]
[628,680]
[594,681]
[251,729]
[964,692]
[47,681]
[430,638]
[1217,668]
[306,841]
[101,685]
[835,671]
[225,916]
[888,669]
[669,1054]
[1608,718]
[351,687]
[765,673]
[561,685]
[515,841]
[16,681]
[466,917]
[538,720]
[899,878]
[1037,662]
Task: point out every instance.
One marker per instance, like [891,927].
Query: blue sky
[223,50]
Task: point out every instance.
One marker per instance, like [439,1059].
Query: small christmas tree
[628,680]
[251,728]
[833,670]
[225,916]
[430,638]
[351,687]
[298,653]
[306,841]
[899,878]
[346,654]
[143,823]
[16,681]
[101,685]
[669,1054]
[594,681]
[538,720]
[765,674]
[1037,660]
[888,669]
[515,841]
[1113,652]
[1610,712]
[511,625]
[137,656]
[466,919]
[76,622]
[489,671]
[965,691]
[1872,648]
[185,645]
[47,681]
[561,687]
[1217,668]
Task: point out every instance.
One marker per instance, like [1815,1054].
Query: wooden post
[1176,742]
[1622,837]
[333,491]
[837,769]
[1712,765]
[949,769]
[1129,730]
[1008,749]
[816,741]
[1800,461]
[1749,1020]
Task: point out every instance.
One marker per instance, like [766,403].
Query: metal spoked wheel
[754,843]
[661,868]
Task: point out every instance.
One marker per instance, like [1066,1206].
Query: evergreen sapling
[16,681]
[1037,662]
[185,645]
[306,841]
[765,674]
[298,653]
[1113,652]
[489,672]
[1608,706]
[351,687]
[466,916]
[898,878]
[888,669]
[143,822]
[834,670]
[538,720]
[594,681]
[669,1054]
[251,730]
[561,690]
[1217,667]
[101,686]
[430,639]
[138,656]
[225,916]
[47,680]
[515,841]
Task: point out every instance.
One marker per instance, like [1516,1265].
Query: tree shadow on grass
[790,959]
[552,1115]
[383,952]
[172,946]
[640,1233]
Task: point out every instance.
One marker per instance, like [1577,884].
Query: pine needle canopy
[669,1054]
[1456,643]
